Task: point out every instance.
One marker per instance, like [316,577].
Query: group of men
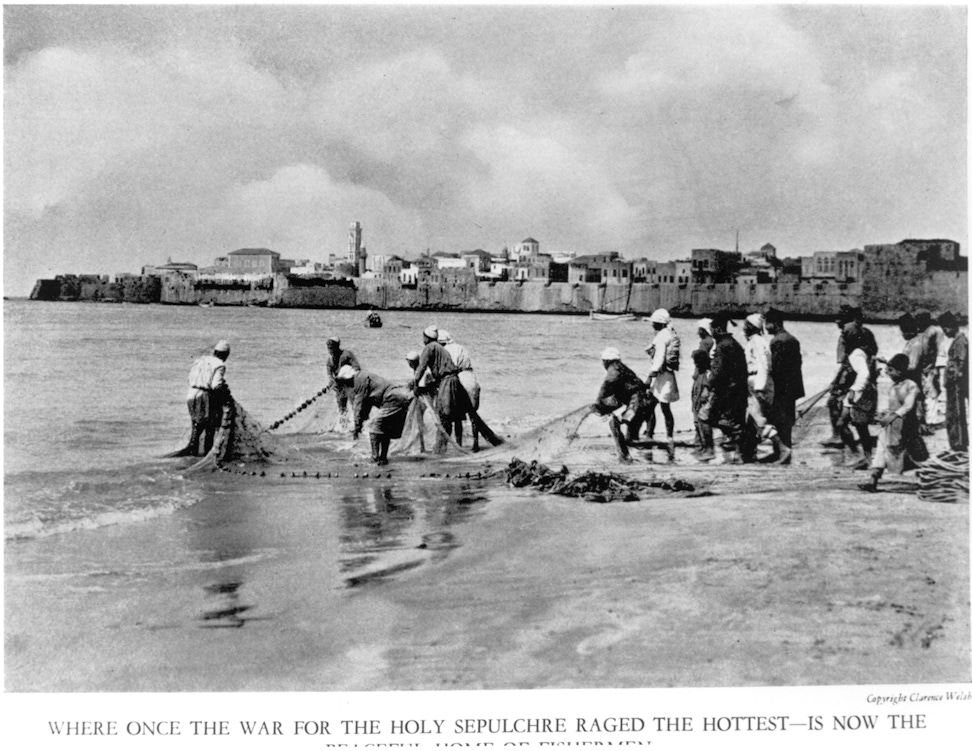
[441,372]
[749,392]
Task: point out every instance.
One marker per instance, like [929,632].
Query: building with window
[254,261]
[602,268]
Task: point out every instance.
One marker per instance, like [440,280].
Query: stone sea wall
[936,291]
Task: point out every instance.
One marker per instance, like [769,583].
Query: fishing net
[813,418]
[424,433]
[240,438]
[544,443]
[944,478]
[596,487]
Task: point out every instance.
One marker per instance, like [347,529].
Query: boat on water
[625,315]
[373,321]
[615,317]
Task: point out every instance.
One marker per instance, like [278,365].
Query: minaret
[354,247]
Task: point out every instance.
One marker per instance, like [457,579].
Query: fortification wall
[805,300]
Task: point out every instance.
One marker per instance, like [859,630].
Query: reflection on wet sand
[224,536]
[387,530]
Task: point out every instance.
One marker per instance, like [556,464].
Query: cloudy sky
[134,134]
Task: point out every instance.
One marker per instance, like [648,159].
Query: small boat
[373,320]
[595,316]
[625,315]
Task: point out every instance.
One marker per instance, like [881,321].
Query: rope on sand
[944,478]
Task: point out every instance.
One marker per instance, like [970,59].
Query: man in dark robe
[851,317]
[787,368]
[621,392]
[443,377]
[956,384]
[729,394]
[337,358]
[368,392]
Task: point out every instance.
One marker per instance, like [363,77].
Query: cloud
[301,211]
[72,116]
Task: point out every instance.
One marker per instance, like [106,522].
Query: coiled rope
[944,478]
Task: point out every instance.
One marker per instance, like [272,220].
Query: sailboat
[625,315]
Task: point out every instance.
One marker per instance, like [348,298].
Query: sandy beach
[779,576]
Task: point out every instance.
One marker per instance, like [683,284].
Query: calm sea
[94,394]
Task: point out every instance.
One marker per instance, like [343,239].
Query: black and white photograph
[486,374]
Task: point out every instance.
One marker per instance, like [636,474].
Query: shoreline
[641,317]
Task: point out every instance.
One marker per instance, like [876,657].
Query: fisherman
[848,314]
[208,392]
[418,389]
[929,337]
[467,378]
[860,401]
[661,384]
[704,445]
[956,384]
[369,391]
[621,399]
[728,390]
[337,358]
[444,381]
[786,365]
[706,342]
[761,387]
[900,446]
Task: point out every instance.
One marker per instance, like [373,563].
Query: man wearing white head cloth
[207,394]
[760,380]
[662,386]
[621,400]
[390,401]
[443,378]
[467,377]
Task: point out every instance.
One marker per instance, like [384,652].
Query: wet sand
[782,576]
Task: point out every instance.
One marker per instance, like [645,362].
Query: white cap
[412,355]
[610,353]
[222,346]
[755,320]
[346,373]
[334,340]
[660,316]
[706,325]
[445,337]
[432,332]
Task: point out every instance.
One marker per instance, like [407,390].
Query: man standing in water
[467,378]
[786,365]
[207,395]
[444,381]
[368,392]
[337,358]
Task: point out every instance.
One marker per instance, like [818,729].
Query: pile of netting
[944,478]
[596,487]
[240,438]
